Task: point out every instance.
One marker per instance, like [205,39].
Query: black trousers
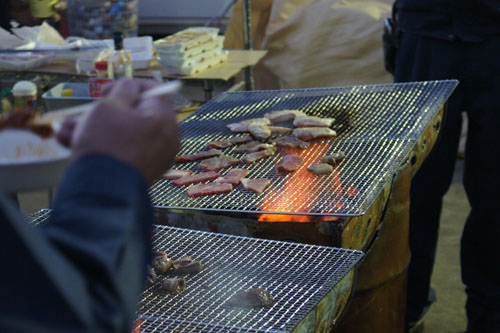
[477,67]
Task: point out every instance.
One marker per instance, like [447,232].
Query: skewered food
[175,285]
[187,265]
[252,146]
[257,185]
[333,159]
[311,133]
[283,115]
[259,131]
[291,142]
[258,155]
[161,262]
[320,168]
[290,163]
[209,189]
[217,163]
[175,174]
[196,178]
[312,121]
[256,297]
[24,120]
[233,176]
[198,156]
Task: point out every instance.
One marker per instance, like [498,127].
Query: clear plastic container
[94,19]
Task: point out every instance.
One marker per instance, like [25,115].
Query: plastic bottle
[121,59]
[25,95]
[6,101]
[95,84]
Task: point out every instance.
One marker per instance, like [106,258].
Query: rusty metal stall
[386,131]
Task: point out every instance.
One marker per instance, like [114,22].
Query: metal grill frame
[298,275]
[378,126]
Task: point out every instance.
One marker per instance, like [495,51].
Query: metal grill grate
[298,276]
[377,127]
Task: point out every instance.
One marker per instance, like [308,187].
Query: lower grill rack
[298,276]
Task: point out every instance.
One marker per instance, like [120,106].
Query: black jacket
[83,269]
[468,20]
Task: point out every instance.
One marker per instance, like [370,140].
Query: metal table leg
[247,41]
[208,86]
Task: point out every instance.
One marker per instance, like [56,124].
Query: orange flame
[301,188]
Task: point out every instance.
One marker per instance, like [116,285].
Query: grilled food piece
[320,168]
[283,115]
[241,139]
[220,144]
[256,121]
[333,159]
[151,276]
[258,155]
[259,131]
[187,265]
[217,163]
[196,178]
[242,126]
[291,142]
[161,262]
[238,127]
[198,156]
[23,119]
[311,133]
[209,189]
[233,177]
[175,174]
[257,185]
[256,297]
[252,146]
[312,121]
[290,163]
[174,286]
[279,129]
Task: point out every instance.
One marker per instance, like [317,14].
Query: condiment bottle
[6,103]
[25,95]
[101,69]
[95,84]
[121,59]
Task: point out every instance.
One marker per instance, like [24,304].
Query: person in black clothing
[456,39]
[84,268]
